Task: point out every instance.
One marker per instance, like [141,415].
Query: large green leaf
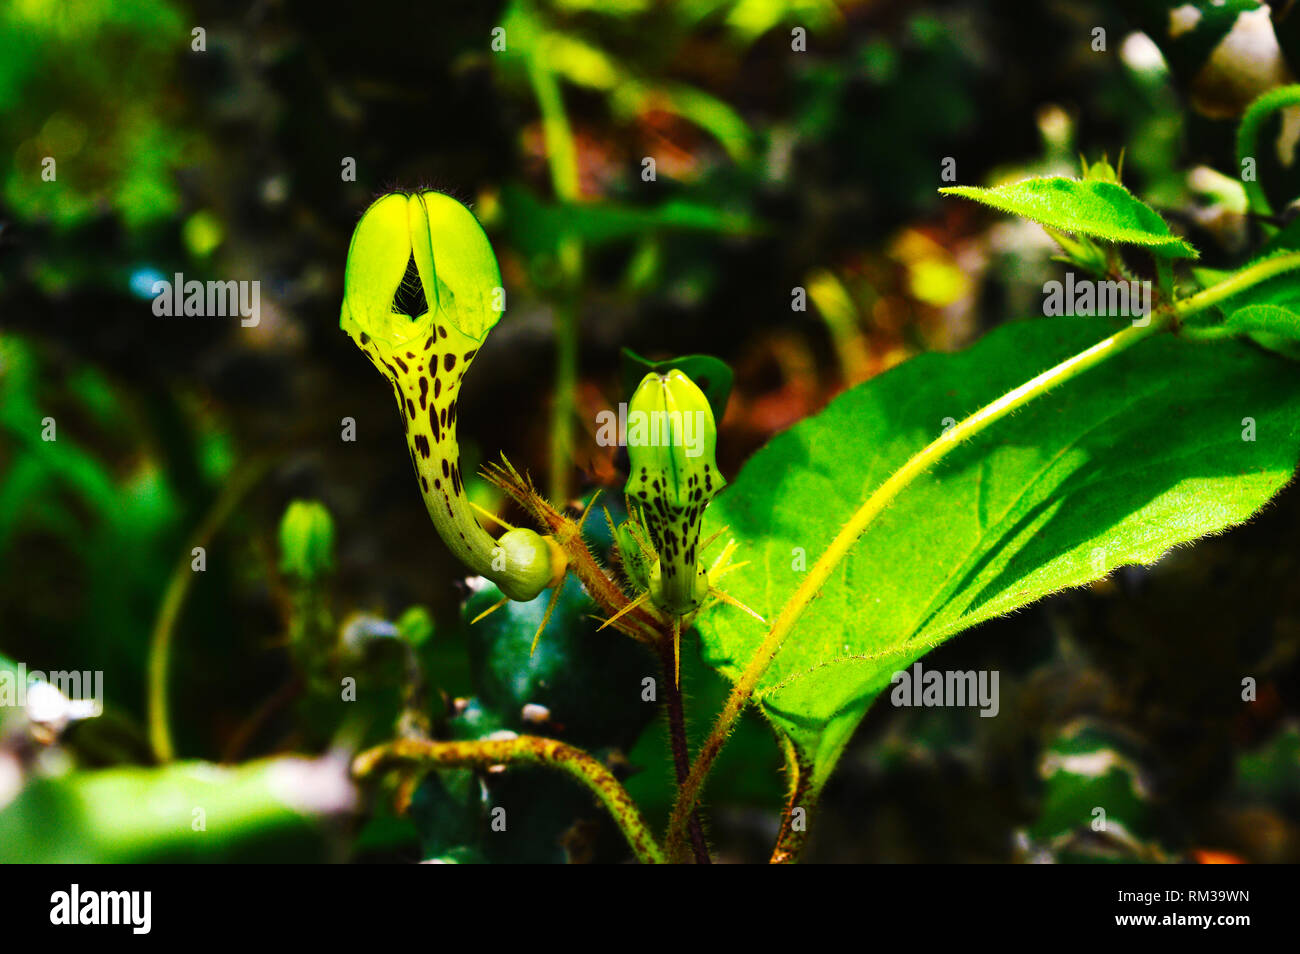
[1104,210]
[1132,458]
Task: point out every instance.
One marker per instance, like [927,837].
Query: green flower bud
[420,293]
[1100,171]
[306,540]
[636,562]
[672,439]
[416,626]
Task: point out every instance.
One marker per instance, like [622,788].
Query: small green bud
[672,440]
[527,564]
[416,626]
[1100,171]
[306,540]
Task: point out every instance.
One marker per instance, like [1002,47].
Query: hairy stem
[1261,271]
[679,744]
[523,750]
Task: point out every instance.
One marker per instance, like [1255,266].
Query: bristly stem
[523,750]
[743,690]
[680,746]
[637,622]
[1260,271]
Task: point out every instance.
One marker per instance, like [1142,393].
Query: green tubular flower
[420,295]
[672,441]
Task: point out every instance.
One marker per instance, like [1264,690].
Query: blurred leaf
[712,375]
[587,683]
[1104,210]
[563,53]
[1203,26]
[1287,239]
[694,105]
[1096,804]
[94,92]
[750,19]
[272,809]
[539,227]
[450,813]
[1272,772]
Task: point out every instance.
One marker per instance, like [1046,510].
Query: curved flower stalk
[421,292]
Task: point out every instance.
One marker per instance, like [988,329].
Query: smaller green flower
[306,540]
[672,441]
[416,626]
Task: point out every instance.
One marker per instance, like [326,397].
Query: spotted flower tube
[672,446]
[421,291]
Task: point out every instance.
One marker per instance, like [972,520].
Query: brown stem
[523,749]
[793,835]
[680,747]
